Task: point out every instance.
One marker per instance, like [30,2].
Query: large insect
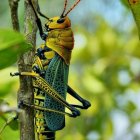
[50,75]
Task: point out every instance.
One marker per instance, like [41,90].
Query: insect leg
[24,74]
[38,21]
[23,103]
[86,104]
[40,13]
[44,86]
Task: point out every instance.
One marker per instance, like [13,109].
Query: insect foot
[75,112]
[86,104]
[14,74]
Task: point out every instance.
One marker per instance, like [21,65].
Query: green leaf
[12,44]
[8,125]
[14,124]
[135,7]
[125,3]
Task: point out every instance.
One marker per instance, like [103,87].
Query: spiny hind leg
[23,104]
[44,86]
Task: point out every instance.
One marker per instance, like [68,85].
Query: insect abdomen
[39,97]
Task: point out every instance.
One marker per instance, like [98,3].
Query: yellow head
[58,23]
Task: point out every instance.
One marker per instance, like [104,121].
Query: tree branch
[25,64]
[14,14]
[25,93]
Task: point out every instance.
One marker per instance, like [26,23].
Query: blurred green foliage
[13,44]
[105,69]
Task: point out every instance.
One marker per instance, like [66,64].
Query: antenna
[72,7]
[38,10]
[65,5]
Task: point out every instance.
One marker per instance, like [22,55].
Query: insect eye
[61,20]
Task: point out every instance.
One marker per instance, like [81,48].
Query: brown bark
[14,13]
[25,93]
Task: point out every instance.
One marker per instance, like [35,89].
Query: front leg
[86,104]
[38,21]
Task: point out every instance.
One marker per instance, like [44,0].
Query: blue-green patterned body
[57,76]
[61,41]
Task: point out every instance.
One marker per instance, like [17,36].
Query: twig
[14,14]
